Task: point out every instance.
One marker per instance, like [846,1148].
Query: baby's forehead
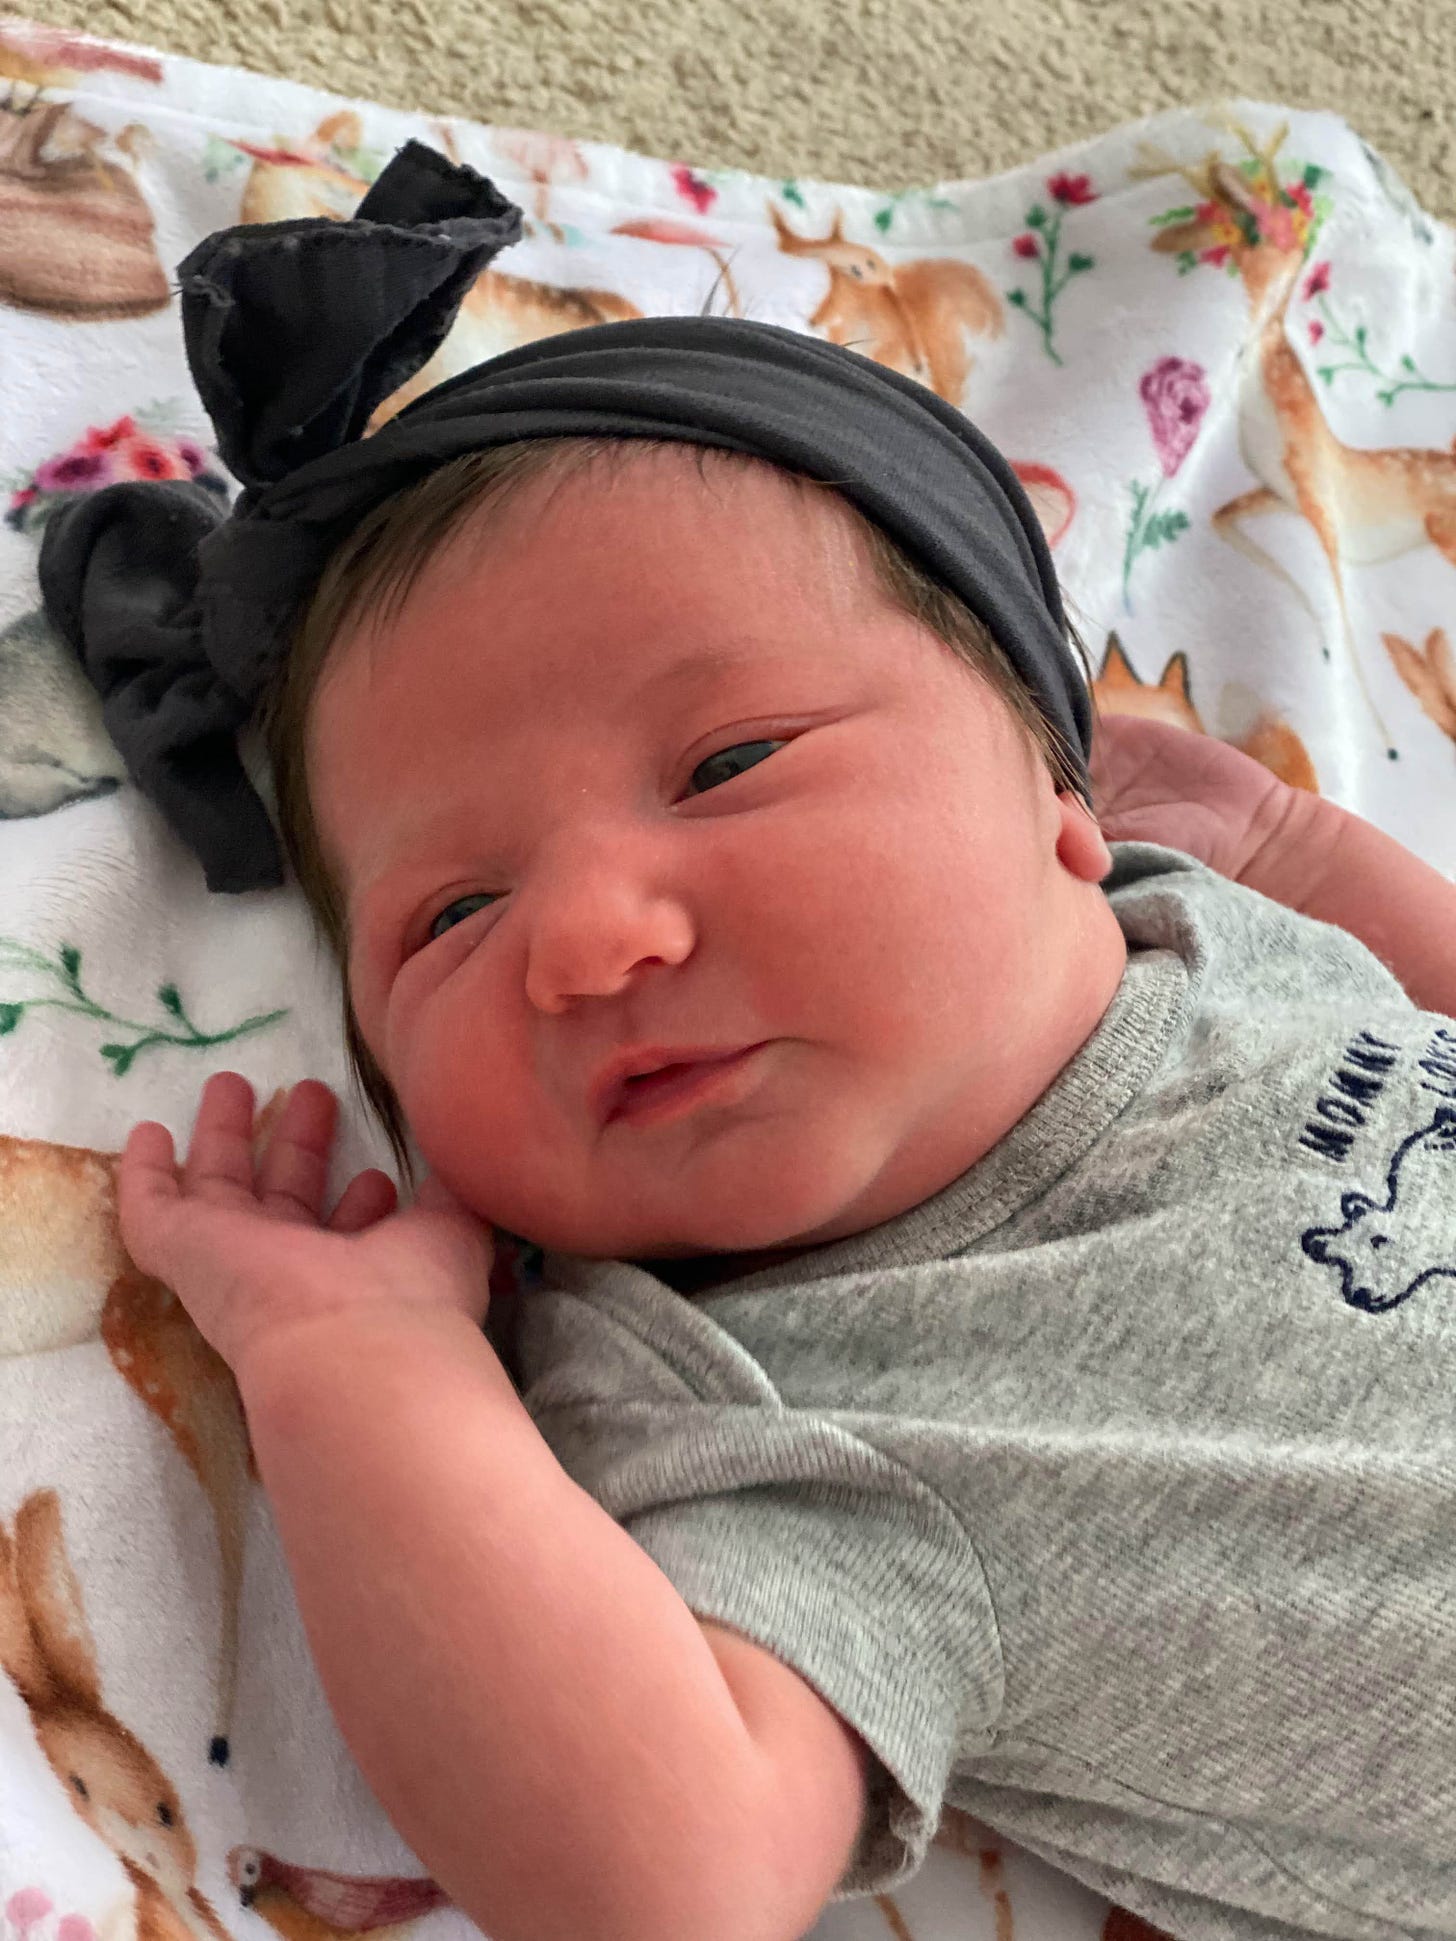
[629,551]
[741,487]
[680,508]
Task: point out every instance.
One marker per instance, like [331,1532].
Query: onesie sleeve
[794,1530]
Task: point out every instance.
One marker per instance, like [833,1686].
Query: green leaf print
[220,158]
[64,969]
[1147,530]
[1355,344]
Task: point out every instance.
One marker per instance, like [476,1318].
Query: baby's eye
[733,760]
[741,755]
[457,912]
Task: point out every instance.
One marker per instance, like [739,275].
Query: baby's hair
[374,568]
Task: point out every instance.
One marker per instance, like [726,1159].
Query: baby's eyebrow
[707,667]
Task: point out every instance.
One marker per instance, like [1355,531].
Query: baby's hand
[1155,783]
[248,1251]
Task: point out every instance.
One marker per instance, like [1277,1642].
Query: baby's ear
[1081,846]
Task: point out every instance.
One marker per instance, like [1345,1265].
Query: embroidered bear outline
[1377,1264]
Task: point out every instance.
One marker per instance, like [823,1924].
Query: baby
[992,1343]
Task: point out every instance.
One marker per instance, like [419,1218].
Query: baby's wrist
[290,1364]
[1291,838]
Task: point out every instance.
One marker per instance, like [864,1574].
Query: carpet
[890,93]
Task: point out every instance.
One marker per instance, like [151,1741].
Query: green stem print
[1040,243]
[1146,529]
[65,970]
[1356,346]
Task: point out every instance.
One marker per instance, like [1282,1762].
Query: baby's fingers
[364,1202]
[147,1188]
[148,1170]
[294,1169]
[219,1164]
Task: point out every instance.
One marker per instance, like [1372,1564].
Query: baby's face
[647,760]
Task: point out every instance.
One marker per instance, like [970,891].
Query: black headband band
[296,331]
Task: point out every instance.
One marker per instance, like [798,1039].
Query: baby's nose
[602,946]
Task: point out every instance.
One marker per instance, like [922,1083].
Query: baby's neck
[697,1273]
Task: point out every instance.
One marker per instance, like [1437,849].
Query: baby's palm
[248,1249]
[1156,783]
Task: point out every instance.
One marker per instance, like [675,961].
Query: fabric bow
[295,332]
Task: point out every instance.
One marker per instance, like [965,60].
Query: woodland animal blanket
[1222,354]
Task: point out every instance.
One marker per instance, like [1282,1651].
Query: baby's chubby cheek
[470,1101]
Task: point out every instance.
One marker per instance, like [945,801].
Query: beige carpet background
[890,93]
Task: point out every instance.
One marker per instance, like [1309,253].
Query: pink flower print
[101,438]
[1175,396]
[1276,226]
[75,471]
[192,455]
[26,1908]
[1218,256]
[1316,331]
[1072,191]
[148,458]
[1317,282]
[693,188]
[1025,245]
[75,1927]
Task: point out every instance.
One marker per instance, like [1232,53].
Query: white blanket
[1223,355]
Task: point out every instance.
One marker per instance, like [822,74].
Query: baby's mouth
[652,1096]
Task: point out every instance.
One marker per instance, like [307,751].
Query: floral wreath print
[141,445]
[1295,210]
[54,748]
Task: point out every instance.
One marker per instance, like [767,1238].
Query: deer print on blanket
[112,1781]
[1363,506]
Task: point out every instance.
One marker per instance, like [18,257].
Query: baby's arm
[1328,863]
[567,1749]
[560,1741]
[1157,783]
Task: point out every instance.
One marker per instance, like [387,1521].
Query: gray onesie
[1110,1494]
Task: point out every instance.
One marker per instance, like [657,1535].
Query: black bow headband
[296,331]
